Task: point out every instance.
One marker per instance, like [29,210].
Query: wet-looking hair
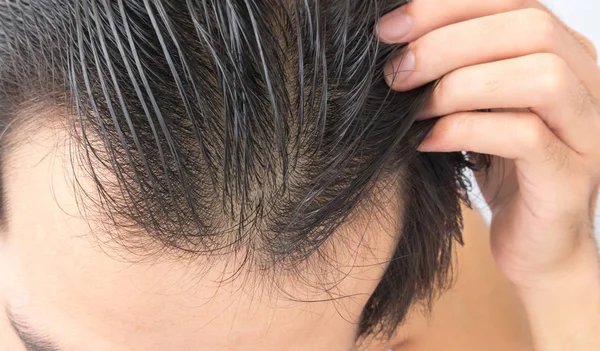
[228,126]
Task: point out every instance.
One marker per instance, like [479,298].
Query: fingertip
[424,114]
[427,144]
[426,147]
[394,27]
[396,74]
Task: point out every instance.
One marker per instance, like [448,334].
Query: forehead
[70,286]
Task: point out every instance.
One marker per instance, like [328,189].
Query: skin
[541,80]
[471,316]
[54,274]
[84,296]
[164,305]
[159,305]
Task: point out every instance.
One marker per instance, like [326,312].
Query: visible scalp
[253,126]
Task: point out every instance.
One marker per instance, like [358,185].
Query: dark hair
[240,124]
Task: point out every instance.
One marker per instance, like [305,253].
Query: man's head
[207,174]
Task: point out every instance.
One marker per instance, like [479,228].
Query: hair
[227,125]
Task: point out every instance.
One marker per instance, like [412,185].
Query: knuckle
[550,76]
[586,43]
[542,28]
[536,137]
[579,98]
[532,132]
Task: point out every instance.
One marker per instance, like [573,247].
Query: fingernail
[394,27]
[406,67]
[425,146]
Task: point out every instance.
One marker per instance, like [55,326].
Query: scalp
[258,126]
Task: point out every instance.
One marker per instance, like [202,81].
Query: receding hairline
[379,213]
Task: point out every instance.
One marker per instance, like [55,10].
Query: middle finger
[416,18]
[540,82]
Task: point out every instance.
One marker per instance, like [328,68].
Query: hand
[541,80]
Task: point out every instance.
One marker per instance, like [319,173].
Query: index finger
[418,17]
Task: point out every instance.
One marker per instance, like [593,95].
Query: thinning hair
[228,125]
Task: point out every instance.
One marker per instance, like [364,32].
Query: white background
[584,17]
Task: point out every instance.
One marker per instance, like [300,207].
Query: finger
[543,161]
[498,183]
[585,42]
[542,83]
[416,18]
[486,39]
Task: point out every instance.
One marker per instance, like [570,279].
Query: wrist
[563,306]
